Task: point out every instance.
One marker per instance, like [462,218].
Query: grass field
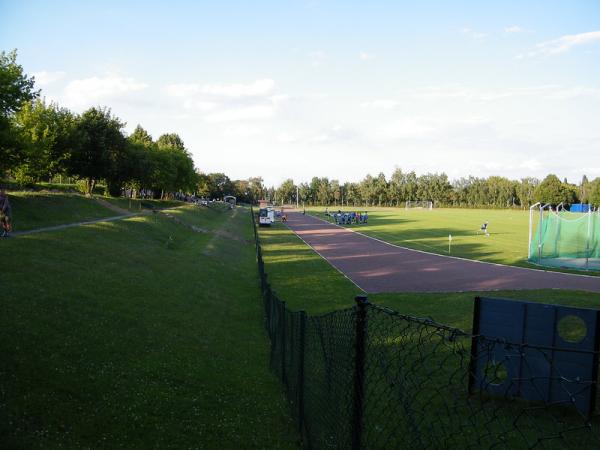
[35,210]
[428,230]
[138,333]
[306,281]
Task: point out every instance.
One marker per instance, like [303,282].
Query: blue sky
[337,89]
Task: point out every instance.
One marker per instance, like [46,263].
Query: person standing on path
[5,213]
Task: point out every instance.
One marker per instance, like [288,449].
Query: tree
[47,136]
[16,88]
[286,191]
[584,190]
[170,140]
[141,136]
[100,150]
[594,198]
[552,191]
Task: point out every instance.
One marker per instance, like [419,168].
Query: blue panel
[539,364]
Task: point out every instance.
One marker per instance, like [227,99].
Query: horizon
[332,89]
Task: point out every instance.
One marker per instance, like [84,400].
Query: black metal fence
[369,377]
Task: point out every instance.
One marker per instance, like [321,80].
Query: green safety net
[565,239]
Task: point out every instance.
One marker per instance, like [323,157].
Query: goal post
[421,204]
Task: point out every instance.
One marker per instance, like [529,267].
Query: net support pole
[530,229]
[587,241]
[540,235]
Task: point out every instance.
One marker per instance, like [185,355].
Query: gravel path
[377,266]
[70,225]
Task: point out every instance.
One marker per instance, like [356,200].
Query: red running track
[376,266]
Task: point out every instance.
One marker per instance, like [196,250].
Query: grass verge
[138,333]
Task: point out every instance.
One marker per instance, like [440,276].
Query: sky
[296,89]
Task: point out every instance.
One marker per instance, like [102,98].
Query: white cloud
[317,58]
[475,35]
[255,89]
[514,29]
[562,45]
[241,113]
[45,78]
[90,91]
[223,102]
[386,104]
[364,56]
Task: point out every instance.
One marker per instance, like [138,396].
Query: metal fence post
[283,344]
[301,370]
[359,370]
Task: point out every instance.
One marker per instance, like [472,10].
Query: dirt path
[70,225]
[377,266]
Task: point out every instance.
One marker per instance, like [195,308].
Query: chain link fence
[368,377]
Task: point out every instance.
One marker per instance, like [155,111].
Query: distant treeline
[40,140]
[494,191]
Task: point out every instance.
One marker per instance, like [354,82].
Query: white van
[266,216]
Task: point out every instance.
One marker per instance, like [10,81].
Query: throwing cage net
[564,239]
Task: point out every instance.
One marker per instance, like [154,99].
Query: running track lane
[376,266]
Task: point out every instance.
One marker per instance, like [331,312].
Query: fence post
[283,336]
[359,370]
[301,371]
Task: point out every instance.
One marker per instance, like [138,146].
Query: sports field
[429,230]
[308,282]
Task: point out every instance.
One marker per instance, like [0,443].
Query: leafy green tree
[594,196]
[99,151]
[171,140]
[47,134]
[16,88]
[552,190]
[141,136]
[286,192]
[584,190]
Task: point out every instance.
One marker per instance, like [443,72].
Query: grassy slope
[137,334]
[34,210]
[306,281]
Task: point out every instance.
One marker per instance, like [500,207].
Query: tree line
[40,140]
[494,191]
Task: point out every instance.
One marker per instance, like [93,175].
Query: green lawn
[138,333]
[306,281]
[35,209]
[136,205]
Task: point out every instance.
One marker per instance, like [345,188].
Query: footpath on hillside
[376,266]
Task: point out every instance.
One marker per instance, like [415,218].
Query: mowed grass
[429,231]
[138,333]
[306,281]
[35,210]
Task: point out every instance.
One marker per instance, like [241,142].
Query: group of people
[5,214]
[348,218]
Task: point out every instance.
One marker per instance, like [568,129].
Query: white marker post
[449,243]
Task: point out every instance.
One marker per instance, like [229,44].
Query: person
[5,213]
[484,229]
[365,217]
[284,218]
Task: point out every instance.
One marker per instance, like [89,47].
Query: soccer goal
[422,204]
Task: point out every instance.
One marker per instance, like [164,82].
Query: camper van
[266,216]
